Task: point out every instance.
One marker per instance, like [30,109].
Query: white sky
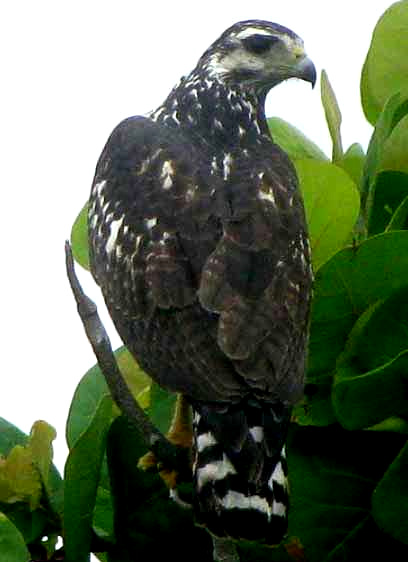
[70,71]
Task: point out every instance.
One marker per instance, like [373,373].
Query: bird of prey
[199,243]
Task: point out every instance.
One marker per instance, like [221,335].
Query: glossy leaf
[390,505]
[333,116]
[79,238]
[388,192]
[148,525]
[161,409]
[12,546]
[346,285]
[386,65]
[333,473]
[353,162]
[293,141]
[82,471]
[93,386]
[399,220]
[394,110]
[10,436]
[332,206]
[364,399]
[367,542]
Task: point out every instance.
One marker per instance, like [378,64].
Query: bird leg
[179,434]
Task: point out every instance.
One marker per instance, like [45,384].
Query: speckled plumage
[199,243]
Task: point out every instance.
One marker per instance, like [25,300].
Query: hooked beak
[306,70]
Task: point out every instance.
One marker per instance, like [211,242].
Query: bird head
[258,54]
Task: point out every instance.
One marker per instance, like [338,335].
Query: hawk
[199,243]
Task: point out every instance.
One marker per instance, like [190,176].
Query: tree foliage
[347,450]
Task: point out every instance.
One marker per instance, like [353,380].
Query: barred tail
[240,471]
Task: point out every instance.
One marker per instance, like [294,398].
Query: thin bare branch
[165,452]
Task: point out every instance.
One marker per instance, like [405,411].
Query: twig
[165,452]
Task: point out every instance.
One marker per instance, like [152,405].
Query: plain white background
[70,71]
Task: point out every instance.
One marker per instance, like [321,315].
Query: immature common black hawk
[198,241]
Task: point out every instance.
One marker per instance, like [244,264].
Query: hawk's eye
[259,44]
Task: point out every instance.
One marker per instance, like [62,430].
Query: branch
[167,453]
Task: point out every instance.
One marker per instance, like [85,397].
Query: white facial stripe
[251,31]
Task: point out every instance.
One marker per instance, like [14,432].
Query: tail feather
[240,471]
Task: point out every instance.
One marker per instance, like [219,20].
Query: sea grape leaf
[79,238]
[399,220]
[367,542]
[353,162]
[364,399]
[387,193]
[332,205]
[293,141]
[82,471]
[93,386]
[333,116]
[333,473]
[390,505]
[386,65]
[345,286]
[148,524]
[162,404]
[12,545]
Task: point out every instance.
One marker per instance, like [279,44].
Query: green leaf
[79,238]
[394,110]
[148,525]
[82,471]
[161,409]
[364,399]
[88,395]
[293,141]
[10,436]
[390,499]
[367,542]
[386,66]
[399,220]
[12,546]
[316,407]
[345,286]
[103,514]
[353,162]
[332,206]
[333,473]
[93,387]
[388,191]
[333,116]
[394,152]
